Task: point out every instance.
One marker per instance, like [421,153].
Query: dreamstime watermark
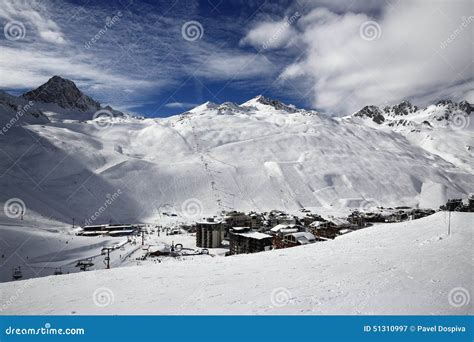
[280,297]
[290,21]
[464,24]
[368,204]
[14,208]
[370,30]
[458,297]
[192,208]
[103,296]
[166,209]
[14,297]
[459,121]
[192,30]
[102,119]
[14,30]
[281,121]
[109,23]
[111,198]
[46,330]
[22,110]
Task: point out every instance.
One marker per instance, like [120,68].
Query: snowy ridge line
[260,155]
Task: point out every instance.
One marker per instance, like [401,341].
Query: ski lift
[17,274]
[84,264]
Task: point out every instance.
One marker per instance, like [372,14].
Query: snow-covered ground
[412,267]
[42,252]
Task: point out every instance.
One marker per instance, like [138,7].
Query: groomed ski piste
[411,267]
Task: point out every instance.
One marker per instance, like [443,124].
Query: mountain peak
[372,112]
[401,109]
[444,112]
[203,107]
[64,93]
[266,101]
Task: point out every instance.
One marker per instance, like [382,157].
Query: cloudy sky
[333,56]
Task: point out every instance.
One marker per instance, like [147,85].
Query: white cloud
[33,13]
[182,105]
[273,34]
[38,66]
[218,65]
[408,59]
[134,60]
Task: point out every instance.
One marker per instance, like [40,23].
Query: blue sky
[333,56]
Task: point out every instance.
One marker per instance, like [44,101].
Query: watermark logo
[192,208]
[166,209]
[465,21]
[102,119]
[280,297]
[109,23]
[281,121]
[47,329]
[368,204]
[458,297]
[370,30]
[290,21]
[14,208]
[192,30]
[14,30]
[110,198]
[22,110]
[459,121]
[103,296]
[13,298]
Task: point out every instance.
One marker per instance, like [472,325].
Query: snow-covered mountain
[259,155]
[64,93]
[61,99]
[444,129]
[16,110]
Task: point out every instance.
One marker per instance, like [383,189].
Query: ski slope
[402,268]
[256,156]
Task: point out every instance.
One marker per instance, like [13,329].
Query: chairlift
[17,274]
[84,264]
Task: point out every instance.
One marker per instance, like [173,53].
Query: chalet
[300,238]
[453,205]
[210,233]
[329,229]
[310,218]
[293,239]
[276,217]
[357,219]
[460,205]
[283,228]
[245,240]
[237,218]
